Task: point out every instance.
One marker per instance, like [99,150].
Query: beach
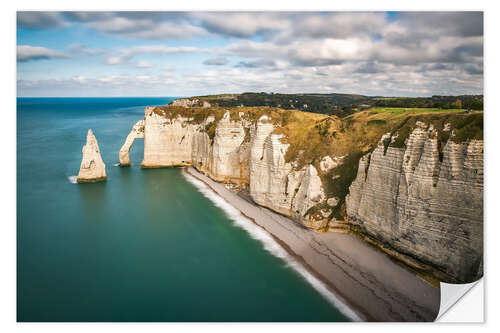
[366,280]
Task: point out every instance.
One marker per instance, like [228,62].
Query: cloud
[37,20]
[219,61]
[82,49]
[396,80]
[256,63]
[406,53]
[125,55]
[143,64]
[473,69]
[28,52]
[243,24]
[115,60]
[139,25]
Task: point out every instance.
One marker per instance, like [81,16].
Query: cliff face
[167,142]
[275,184]
[419,196]
[423,202]
[241,151]
[92,168]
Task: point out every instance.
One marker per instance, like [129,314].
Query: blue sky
[194,53]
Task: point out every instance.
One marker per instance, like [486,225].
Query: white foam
[116,164]
[271,245]
[72,179]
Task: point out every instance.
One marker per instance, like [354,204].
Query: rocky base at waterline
[92,168]
[368,281]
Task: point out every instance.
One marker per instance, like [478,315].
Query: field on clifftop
[312,136]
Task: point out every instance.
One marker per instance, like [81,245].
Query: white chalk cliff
[92,168]
[424,204]
[422,200]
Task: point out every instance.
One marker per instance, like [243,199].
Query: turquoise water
[144,246]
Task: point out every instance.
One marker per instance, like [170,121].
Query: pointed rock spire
[92,168]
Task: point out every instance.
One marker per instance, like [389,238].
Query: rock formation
[424,203]
[92,168]
[136,132]
[167,142]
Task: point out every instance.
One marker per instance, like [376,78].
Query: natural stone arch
[136,132]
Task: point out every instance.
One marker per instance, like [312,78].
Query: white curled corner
[451,302]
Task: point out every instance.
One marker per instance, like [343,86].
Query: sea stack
[92,168]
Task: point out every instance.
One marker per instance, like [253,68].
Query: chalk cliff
[425,203]
[167,142]
[92,168]
[417,192]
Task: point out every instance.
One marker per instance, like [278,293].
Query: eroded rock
[92,168]
[424,203]
[136,132]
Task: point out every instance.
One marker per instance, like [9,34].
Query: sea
[148,245]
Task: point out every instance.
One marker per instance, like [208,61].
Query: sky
[100,54]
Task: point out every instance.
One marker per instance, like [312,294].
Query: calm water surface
[144,246]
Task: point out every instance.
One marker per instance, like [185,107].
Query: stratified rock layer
[92,168]
[424,203]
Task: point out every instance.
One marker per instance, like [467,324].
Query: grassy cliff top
[312,136]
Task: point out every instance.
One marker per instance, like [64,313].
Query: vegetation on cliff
[342,105]
[313,136]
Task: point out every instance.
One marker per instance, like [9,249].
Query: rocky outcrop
[167,142]
[275,184]
[424,202]
[136,132]
[92,168]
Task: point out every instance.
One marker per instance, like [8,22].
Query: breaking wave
[72,179]
[271,245]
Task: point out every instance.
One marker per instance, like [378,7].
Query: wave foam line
[72,179]
[270,245]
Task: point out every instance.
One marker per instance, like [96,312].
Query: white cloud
[114,60]
[29,52]
[143,64]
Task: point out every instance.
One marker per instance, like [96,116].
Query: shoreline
[368,282]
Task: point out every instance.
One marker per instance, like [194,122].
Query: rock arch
[136,132]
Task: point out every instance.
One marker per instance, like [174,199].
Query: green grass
[400,111]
